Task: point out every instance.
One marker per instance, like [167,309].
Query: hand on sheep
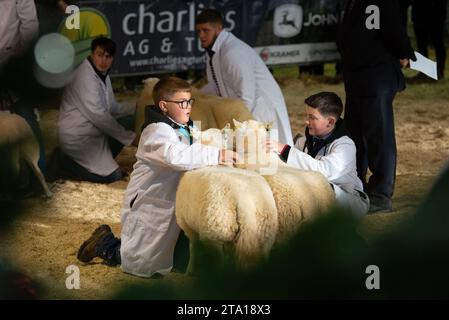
[274,146]
[228,157]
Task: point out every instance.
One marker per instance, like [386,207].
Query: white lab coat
[18,27]
[337,162]
[88,117]
[149,228]
[242,74]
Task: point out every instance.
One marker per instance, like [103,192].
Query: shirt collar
[220,39]
[100,74]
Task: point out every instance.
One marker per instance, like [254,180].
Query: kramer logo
[287,20]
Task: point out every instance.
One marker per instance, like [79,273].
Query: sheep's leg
[206,255]
[191,267]
[9,167]
[41,178]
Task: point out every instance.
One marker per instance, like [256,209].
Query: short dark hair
[106,44]
[209,16]
[327,103]
[167,87]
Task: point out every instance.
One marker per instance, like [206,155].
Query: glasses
[183,104]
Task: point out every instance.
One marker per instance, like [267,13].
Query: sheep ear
[150,80]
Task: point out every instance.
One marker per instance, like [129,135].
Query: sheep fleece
[228,205]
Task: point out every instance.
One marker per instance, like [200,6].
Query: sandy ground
[43,242]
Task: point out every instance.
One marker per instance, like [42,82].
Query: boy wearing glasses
[166,150]
[327,148]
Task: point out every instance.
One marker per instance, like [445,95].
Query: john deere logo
[93,23]
[287,20]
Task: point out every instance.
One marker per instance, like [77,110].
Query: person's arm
[160,144]
[29,25]
[118,109]
[210,88]
[240,75]
[92,108]
[337,163]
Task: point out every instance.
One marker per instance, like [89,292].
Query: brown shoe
[88,249]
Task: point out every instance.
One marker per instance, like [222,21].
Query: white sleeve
[92,108]
[337,163]
[118,109]
[240,75]
[29,25]
[160,144]
[210,88]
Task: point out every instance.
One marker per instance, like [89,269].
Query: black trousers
[371,125]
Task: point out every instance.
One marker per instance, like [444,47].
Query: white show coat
[337,162]
[149,228]
[18,27]
[242,74]
[88,117]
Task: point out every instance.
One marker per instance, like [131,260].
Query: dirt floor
[43,242]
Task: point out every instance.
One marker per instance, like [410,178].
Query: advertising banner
[159,36]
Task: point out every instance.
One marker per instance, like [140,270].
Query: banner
[159,36]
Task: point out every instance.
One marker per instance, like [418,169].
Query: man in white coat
[18,27]
[166,150]
[90,132]
[235,70]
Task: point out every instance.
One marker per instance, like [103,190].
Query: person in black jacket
[372,59]
[428,18]
[403,7]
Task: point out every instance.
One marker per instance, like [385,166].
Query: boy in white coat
[327,148]
[166,150]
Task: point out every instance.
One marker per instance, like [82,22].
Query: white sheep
[18,140]
[232,208]
[239,210]
[220,138]
[300,196]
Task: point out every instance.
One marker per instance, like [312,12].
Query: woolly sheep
[18,142]
[210,205]
[300,196]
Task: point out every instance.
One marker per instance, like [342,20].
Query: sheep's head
[221,138]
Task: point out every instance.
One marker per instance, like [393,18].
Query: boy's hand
[274,146]
[228,157]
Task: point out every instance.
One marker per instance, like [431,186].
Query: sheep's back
[229,205]
[300,195]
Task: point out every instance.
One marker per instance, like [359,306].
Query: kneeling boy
[166,150]
[327,148]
